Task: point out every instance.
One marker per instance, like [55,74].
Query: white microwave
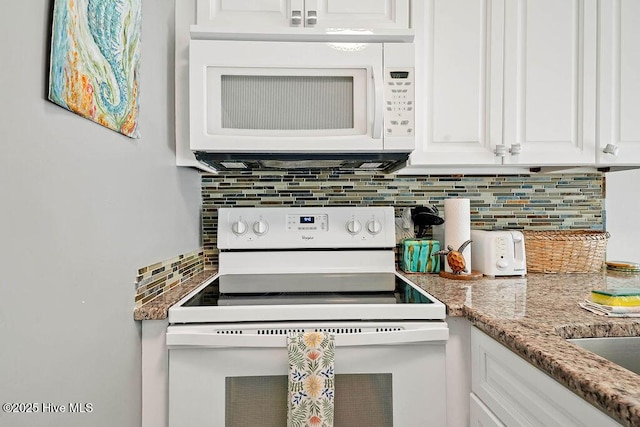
[253,104]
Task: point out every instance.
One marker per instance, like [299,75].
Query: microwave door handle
[377,104]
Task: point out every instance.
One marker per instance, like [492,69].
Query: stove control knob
[239,228]
[260,227]
[374,226]
[353,226]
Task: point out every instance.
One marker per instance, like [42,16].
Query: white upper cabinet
[550,82]
[619,106]
[459,99]
[506,83]
[237,16]
[362,14]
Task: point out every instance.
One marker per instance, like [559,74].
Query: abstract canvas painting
[95,54]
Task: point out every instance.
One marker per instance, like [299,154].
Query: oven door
[278,96]
[387,373]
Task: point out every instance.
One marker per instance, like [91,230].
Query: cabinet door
[245,15]
[459,98]
[550,81]
[520,395]
[360,14]
[481,416]
[619,108]
[274,15]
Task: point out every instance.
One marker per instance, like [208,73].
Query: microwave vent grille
[387,162]
[234,165]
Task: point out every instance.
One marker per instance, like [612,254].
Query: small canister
[418,256]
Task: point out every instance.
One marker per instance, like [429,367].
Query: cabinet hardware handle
[611,149]
[500,150]
[312,17]
[515,149]
[311,8]
[296,17]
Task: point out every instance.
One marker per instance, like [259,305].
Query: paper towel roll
[457,227]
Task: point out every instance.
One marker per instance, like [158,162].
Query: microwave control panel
[399,102]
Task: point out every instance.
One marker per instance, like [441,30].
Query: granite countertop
[534,315]
[158,308]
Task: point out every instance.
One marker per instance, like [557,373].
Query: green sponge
[629,297]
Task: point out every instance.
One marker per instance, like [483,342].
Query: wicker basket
[565,251]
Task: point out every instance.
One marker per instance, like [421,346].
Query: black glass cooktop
[210,295]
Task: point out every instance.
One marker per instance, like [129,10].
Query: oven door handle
[193,339]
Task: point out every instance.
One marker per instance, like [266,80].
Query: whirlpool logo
[307,237]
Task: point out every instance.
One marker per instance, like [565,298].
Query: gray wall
[622,207]
[82,208]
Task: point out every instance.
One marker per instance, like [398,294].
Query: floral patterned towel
[311,379]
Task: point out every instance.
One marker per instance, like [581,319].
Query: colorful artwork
[94,61]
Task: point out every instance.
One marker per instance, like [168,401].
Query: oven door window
[361,399]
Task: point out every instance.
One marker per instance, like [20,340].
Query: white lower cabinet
[507,390]
[481,416]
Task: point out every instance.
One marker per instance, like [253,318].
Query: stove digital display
[307,220]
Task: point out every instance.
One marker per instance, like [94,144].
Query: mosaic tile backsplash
[155,279]
[532,202]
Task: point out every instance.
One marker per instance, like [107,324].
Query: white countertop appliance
[498,252]
[283,270]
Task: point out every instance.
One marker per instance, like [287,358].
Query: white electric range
[285,270]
